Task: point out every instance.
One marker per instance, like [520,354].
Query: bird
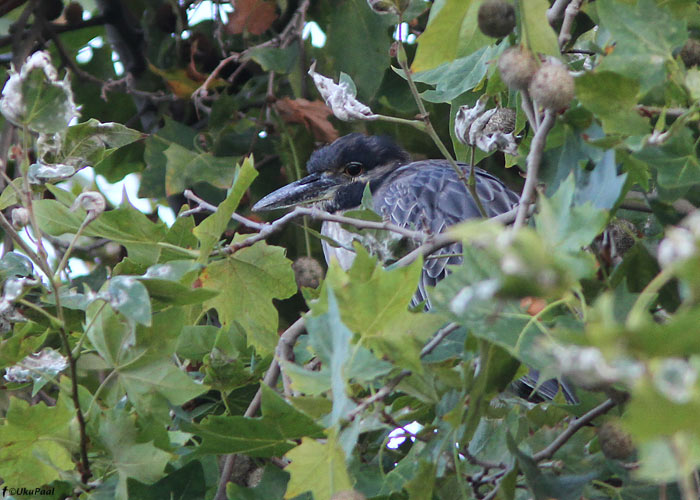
[425,195]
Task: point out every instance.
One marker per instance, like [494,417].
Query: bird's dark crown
[370,151]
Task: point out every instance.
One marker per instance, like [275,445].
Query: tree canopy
[217,356]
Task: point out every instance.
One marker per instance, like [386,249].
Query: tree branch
[556,11]
[533,167]
[570,14]
[273,227]
[573,428]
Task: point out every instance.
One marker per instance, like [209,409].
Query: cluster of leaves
[130,381]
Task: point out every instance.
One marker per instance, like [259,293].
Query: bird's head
[338,174]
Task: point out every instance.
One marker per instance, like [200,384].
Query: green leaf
[181,235]
[613,99]
[185,168]
[273,434]
[669,458]
[142,358]
[185,483]
[565,226]
[9,194]
[537,33]
[130,297]
[14,264]
[171,283]
[422,484]
[125,225]
[549,485]
[317,467]
[342,361]
[452,32]
[272,485]
[275,59]
[248,281]
[131,459]
[48,104]
[91,142]
[456,77]
[643,48]
[32,443]
[601,186]
[651,415]
[374,301]
[331,340]
[366,59]
[209,230]
[676,162]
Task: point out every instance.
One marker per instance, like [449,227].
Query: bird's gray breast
[344,238]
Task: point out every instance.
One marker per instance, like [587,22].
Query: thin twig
[573,428]
[533,166]
[211,208]
[386,390]
[315,213]
[429,129]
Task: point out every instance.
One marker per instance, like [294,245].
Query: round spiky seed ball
[73,13]
[517,67]
[552,86]
[615,443]
[503,120]
[496,18]
[690,53]
[307,272]
[348,495]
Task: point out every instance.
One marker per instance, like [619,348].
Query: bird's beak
[312,188]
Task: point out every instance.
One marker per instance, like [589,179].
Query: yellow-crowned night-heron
[425,195]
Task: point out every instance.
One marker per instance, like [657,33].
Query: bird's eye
[354,168]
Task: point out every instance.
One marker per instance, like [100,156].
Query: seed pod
[517,67]
[690,53]
[496,18]
[503,120]
[552,86]
[20,217]
[615,443]
[307,272]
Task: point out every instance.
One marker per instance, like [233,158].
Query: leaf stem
[429,129]
[647,295]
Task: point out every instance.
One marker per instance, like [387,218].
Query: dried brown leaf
[312,114]
[253,16]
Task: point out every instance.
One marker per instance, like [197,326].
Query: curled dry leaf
[312,114]
[340,98]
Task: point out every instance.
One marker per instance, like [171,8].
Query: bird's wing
[428,196]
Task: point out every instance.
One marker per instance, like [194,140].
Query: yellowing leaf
[31,454]
[537,32]
[317,467]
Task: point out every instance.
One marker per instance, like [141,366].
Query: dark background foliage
[151,360]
